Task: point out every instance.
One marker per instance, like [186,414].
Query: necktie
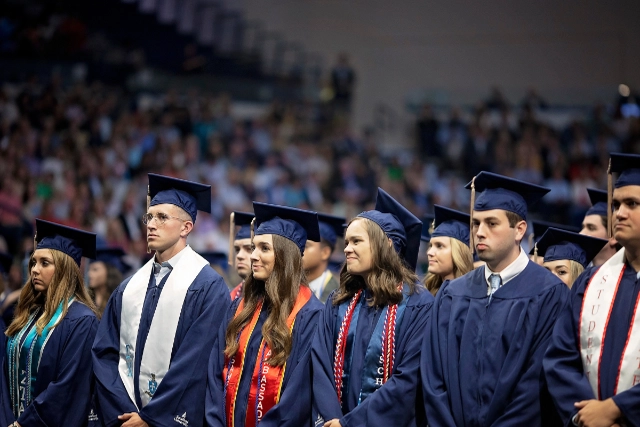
[495,281]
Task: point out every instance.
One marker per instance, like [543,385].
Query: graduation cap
[556,244]
[427,227]
[294,224]
[598,200]
[501,192]
[331,227]
[113,256]
[71,241]
[188,195]
[540,227]
[451,223]
[216,258]
[400,225]
[5,262]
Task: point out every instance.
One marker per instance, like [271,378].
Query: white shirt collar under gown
[509,272]
[154,364]
[317,285]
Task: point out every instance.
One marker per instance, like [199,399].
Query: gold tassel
[148,205]
[473,201]
[535,253]
[432,226]
[609,200]
[252,231]
[232,229]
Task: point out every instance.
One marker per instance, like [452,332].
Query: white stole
[597,305]
[156,359]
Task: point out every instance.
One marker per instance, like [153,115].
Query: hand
[132,419]
[332,423]
[596,413]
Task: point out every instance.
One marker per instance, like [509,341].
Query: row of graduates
[174,348]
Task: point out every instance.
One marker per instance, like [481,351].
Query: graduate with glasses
[155,336]
[592,362]
[259,371]
[46,374]
[367,351]
[481,363]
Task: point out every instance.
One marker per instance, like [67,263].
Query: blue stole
[24,351]
[373,366]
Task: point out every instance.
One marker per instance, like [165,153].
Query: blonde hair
[66,283]
[462,260]
[576,269]
[388,271]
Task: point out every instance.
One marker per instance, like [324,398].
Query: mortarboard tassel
[473,200]
[148,205]
[232,228]
[609,200]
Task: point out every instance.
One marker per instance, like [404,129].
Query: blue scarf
[24,351]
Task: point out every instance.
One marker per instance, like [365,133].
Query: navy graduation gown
[183,387]
[65,379]
[563,364]
[481,363]
[294,407]
[393,404]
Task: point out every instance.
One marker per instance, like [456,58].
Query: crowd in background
[79,155]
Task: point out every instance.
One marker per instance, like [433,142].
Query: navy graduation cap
[628,168]
[599,202]
[451,223]
[331,227]
[427,227]
[540,227]
[294,224]
[243,219]
[501,192]
[557,244]
[400,225]
[113,256]
[71,241]
[188,195]
[5,262]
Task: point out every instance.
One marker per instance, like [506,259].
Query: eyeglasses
[160,218]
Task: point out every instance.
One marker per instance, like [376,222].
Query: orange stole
[266,381]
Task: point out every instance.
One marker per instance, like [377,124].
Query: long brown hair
[462,264]
[113,280]
[279,293]
[67,282]
[388,271]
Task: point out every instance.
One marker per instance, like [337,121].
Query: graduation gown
[563,364]
[294,406]
[393,404]
[331,286]
[181,392]
[481,363]
[65,379]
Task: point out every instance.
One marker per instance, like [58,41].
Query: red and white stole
[266,380]
[597,305]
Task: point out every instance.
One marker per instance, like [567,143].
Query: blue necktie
[495,281]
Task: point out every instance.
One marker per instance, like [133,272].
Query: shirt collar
[172,262]
[512,270]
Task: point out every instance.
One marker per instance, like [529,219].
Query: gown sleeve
[112,398]
[524,405]
[72,385]
[393,403]
[183,387]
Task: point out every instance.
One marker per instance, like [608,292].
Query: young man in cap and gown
[240,248]
[481,363]
[594,224]
[155,334]
[592,363]
[316,256]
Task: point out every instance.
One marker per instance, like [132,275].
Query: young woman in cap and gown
[46,374]
[105,275]
[481,364]
[259,370]
[592,362]
[448,254]
[566,254]
[366,355]
[156,332]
